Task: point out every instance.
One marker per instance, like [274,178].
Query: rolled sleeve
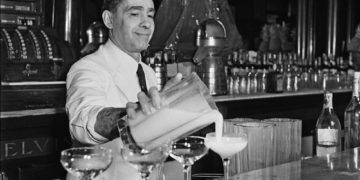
[86,97]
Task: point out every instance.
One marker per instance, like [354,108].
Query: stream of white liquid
[219,123]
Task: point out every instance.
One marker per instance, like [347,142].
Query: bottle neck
[356,84]
[356,88]
[328,106]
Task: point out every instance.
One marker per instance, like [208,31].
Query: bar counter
[339,166]
[22,128]
[344,165]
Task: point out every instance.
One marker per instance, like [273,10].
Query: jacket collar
[118,60]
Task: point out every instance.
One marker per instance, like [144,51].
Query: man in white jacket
[103,86]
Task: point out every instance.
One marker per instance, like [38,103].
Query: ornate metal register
[34,59]
[32,54]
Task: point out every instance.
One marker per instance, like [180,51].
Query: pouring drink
[186,107]
[226,145]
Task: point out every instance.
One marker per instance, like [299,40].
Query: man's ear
[107,18]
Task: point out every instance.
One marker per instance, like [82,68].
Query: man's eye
[134,14]
[151,16]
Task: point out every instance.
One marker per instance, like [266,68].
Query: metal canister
[212,73]
[210,62]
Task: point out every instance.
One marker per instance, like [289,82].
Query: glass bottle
[352,117]
[274,81]
[350,72]
[171,63]
[328,128]
[288,83]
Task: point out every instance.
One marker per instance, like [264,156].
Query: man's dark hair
[110,5]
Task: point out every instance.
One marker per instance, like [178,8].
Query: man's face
[133,25]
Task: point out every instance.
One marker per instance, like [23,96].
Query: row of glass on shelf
[251,72]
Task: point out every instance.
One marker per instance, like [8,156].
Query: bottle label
[322,151]
[327,137]
[279,83]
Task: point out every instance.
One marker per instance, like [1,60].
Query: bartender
[102,87]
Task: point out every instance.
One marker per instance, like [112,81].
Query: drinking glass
[145,161]
[188,150]
[226,146]
[86,163]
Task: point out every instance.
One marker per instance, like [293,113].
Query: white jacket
[106,78]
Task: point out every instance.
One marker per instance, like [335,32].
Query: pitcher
[187,108]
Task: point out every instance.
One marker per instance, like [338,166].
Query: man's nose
[146,22]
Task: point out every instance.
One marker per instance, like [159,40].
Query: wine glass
[145,161]
[86,163]
[226,146]
[188,150]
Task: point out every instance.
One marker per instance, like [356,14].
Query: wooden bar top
[339,166]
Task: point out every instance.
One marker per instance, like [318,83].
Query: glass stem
[187,172]
[226,162]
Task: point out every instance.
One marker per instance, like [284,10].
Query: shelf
[32,83]
[226,98]
[17,12]
[32,112]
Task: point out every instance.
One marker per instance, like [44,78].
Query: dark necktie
[141,75]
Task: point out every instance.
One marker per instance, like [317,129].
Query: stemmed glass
[86,163]
[188,150]
[145,161]
[226,146]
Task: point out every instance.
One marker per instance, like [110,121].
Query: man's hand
[148,104]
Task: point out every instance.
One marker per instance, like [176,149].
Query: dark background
[250,16]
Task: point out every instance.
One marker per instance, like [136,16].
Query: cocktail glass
[188,150]
[226,146]
[146,160]
[86,163]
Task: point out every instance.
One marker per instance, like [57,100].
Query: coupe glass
[86,163]
[226,146]
[188,150]
[146,160]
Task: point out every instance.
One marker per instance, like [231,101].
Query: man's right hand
[148,104]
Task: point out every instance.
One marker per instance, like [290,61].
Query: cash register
[34,62]
[34,59]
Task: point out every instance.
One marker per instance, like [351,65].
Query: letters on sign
[20,148]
